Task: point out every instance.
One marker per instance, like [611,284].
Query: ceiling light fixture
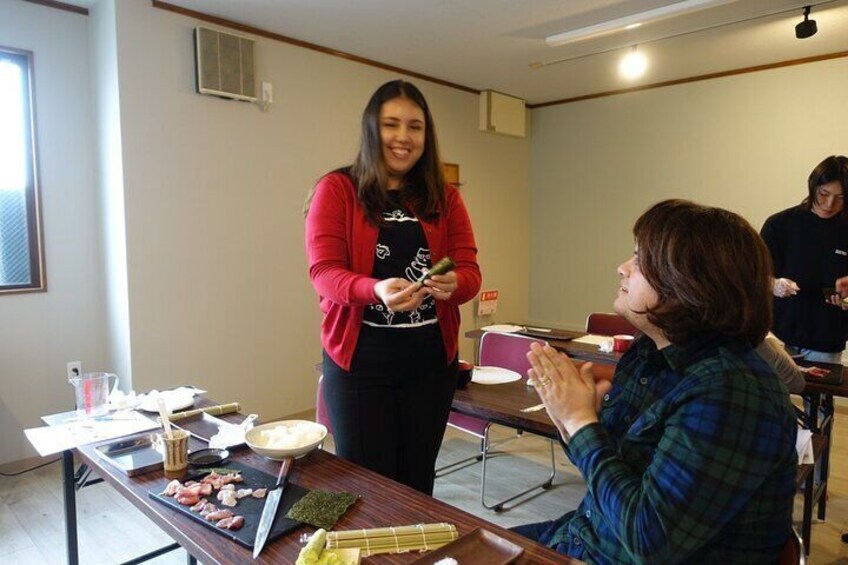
[623,44]
[633,65]
[807,28]
[627,22]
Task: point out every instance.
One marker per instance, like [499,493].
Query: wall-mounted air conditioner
[500,113]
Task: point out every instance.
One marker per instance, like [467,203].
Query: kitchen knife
[272,502]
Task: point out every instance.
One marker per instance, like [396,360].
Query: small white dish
[493,376]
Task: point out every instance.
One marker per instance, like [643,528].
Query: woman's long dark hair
[423,186]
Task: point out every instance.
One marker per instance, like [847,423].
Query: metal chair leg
[474,459]
[499,506]
[461,464]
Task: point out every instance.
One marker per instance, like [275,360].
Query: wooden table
[383,503]
[502,404]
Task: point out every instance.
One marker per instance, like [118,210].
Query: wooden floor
[111,530]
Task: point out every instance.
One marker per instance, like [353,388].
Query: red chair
[601,323]
[508,351]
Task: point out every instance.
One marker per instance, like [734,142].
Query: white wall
[217,278]
[746,143]
[40,332]
[110,180]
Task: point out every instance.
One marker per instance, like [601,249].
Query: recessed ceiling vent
[224,64]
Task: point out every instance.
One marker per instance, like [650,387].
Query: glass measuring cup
[92,393]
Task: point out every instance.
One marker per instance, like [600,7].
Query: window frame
[32,197]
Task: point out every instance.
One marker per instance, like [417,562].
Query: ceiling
[491,44]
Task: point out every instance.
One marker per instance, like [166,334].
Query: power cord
[30,469]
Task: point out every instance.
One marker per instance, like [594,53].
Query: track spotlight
[808,27]
[633,65]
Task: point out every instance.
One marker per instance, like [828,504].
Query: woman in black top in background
[809,248]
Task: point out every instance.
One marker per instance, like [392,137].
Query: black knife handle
[288,463]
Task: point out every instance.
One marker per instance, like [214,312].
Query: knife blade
[272,502]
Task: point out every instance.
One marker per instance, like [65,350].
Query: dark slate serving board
[250,508]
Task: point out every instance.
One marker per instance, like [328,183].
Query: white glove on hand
[784,287]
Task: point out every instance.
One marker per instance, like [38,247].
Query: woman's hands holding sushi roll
[400,295]
[442,287]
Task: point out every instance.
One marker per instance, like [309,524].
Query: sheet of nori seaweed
[321,508]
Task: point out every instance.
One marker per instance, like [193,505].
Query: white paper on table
[175,399]
[229,434]
[604,342]
[804,447]
[74,432]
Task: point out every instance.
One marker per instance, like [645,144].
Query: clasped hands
[572,397]
[401,295]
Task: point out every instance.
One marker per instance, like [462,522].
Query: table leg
[807,519]
[827,429]
[811,406]
[70,500]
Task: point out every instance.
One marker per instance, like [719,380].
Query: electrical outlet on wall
[74,369]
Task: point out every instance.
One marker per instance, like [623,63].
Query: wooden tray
[550,333]
[480,547]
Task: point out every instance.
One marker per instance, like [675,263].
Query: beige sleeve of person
[772,352]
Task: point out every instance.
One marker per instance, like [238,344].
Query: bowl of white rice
[286,438]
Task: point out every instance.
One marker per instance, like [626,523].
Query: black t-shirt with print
[402,251]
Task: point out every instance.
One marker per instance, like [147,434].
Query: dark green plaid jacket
[694,461]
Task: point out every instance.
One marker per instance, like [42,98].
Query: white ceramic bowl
[256,442]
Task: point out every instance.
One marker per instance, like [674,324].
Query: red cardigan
[340,247]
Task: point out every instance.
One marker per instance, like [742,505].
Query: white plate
[177,399]
[503,328]
[493,376]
